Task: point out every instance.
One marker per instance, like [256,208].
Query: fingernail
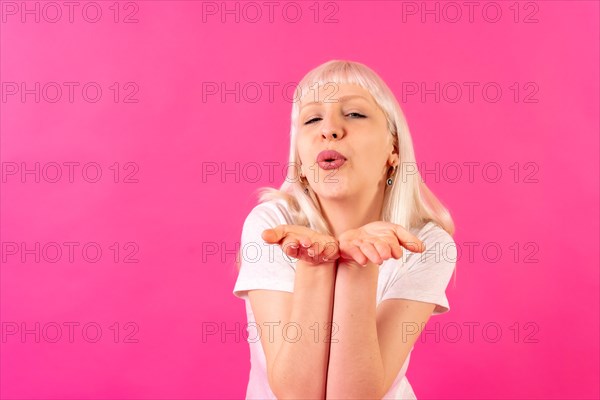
[294,246]
[311,252]
[324,259]
[305,245]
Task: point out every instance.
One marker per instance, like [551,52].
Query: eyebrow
[340,100]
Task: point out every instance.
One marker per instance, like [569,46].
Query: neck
[352,213]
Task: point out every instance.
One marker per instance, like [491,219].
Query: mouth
[330,159]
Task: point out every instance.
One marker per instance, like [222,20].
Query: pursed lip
[329,155]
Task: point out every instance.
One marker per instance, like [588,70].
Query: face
[344,118]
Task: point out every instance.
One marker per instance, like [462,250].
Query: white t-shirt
[416,276]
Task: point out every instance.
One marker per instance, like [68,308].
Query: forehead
[334,93]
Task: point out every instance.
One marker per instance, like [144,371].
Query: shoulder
[432,232]
[439,244]
[424,276]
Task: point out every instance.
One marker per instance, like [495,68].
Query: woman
[342,267]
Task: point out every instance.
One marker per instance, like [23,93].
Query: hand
[377,242]
[303,243]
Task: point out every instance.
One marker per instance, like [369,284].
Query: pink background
[175,214]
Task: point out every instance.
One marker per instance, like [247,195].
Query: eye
[310,121]
[359,115]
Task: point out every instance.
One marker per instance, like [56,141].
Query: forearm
[300,367]
[355,363]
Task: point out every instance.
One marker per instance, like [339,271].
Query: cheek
[300,144]
[302,147]
[369,163]
[371,148]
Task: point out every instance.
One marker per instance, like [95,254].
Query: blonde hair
[407,202]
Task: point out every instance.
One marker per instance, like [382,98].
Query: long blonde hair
[407,202]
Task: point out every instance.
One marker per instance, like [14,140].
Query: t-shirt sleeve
[263,265]
[426,275]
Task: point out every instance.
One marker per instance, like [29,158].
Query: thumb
[273,235]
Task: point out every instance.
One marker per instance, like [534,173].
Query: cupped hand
[376,242]
[303,243]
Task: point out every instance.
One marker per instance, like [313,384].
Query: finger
[353,252]
[383,248]
[306,249]
[305,241]
[329,250]
[317,248]
[274,235]
[313,249]
[408,240]
[291,248]
[396,250]
[369,250]
[291,252]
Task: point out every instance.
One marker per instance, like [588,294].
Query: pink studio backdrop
[164,105]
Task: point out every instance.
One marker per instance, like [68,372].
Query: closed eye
[359,115]
[310,121]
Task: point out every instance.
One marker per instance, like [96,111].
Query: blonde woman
[342,267]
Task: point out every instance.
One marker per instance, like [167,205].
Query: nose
[330,135]
[332,130]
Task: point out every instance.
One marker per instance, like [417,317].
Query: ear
[393,159]
[301,173]
[298,167]
[395,149]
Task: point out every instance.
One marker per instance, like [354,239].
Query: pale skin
[336,275]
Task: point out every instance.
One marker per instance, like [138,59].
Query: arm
[297,369]
[355,365]
[371,346]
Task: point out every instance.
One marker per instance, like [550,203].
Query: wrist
[321,268]
[354,266]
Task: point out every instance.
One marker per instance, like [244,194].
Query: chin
[334,193]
